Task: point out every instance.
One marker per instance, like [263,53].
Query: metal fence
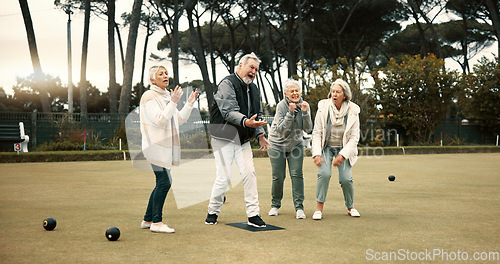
[47,127]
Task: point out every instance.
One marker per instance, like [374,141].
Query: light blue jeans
[278,163]
[325,173]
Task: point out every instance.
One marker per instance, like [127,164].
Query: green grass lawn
[447,202]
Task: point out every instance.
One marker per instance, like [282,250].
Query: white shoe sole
[145,225]
[254,225]
[273,213]
[165,231]
[317,216]
[302,216]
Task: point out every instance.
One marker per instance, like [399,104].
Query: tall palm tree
[35,59]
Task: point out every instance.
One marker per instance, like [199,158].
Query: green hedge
[52,156]
[93,155]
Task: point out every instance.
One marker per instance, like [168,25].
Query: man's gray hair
[345,87]
[289,83]
[245,58]
[154,69]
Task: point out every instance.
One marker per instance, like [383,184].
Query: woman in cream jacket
[160,122]
[334,142]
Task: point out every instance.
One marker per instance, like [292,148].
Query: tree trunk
[493,7]
[83,69]
[300,5]
[435,38]
[175,41]
[135,19]
[200,53]
[144,53]
[120,43]
[35,59]
[113,100]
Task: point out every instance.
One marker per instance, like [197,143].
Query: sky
[50,25]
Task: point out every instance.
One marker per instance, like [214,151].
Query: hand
[318,160]
[292,106]
[193,96]
[264,143]
[251,122]
[176,94]
[338,160]
[304,106]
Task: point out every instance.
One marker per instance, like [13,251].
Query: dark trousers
[154,210]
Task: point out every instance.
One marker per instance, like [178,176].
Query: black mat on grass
[245,226]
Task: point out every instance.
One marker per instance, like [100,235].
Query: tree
[318,81]
[6,102]
[150,21]
[35,60]
[459,40]
[113,99]
[199,51]
[351,29]
[480,93]
[492,12]
[470,34]
[171,27]
[26,93]
[86,5]
[125,94]
[83,69]
[414,94]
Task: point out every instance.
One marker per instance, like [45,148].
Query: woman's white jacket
[351,134]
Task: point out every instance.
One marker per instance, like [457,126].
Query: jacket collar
[239,78]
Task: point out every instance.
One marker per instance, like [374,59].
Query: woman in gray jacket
[293,116]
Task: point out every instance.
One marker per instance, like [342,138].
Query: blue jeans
[325,172]
[278,160]
[157,198]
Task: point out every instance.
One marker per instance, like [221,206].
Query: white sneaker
[273,211]
[353,212]
[163,228]
[145,225]
[300,214]
[317,215]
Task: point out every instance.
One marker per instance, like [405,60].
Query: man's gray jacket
[234,102]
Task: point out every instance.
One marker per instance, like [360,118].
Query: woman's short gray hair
[289,83]
[153,70]
[345,87]
[245,58]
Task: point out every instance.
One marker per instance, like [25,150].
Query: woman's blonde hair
[154,69]
[345,87]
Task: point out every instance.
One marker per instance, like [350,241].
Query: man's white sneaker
[353,212]
[163,228]
[145,225]
[300,214]
[317,215]
[273,211]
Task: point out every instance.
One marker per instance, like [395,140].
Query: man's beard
[247,80]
